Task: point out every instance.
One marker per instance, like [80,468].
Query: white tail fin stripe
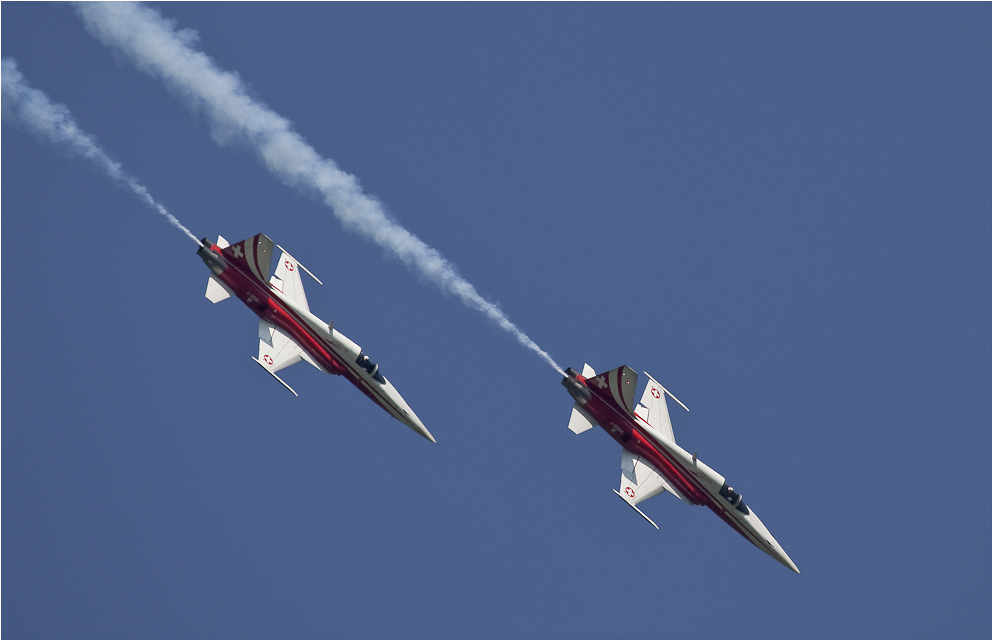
[615,387]
[250,258]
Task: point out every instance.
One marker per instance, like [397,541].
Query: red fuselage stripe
[631,438]
[246,288]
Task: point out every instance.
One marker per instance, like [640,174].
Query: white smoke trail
[53,123]
[159,49]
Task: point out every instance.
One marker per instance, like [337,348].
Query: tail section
[616,386]
[581,420]
[216,290]
[253,255]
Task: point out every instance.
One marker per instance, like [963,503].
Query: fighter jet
[651,462]
[288,332]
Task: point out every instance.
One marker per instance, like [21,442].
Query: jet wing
[278,351]
[653,412]
[287,280]
[640,480]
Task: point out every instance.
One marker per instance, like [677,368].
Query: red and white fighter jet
[288,332]
[651,462]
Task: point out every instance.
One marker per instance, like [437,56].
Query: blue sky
[782,212]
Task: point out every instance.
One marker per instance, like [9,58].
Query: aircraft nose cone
[788,562]
[777,552]
[415,424]
[423,431]
[396,406]
[766,542]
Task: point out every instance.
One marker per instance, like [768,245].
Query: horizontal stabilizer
[216,290]
[580,421]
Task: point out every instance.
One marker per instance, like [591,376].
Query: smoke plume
[159,49]
[52,123]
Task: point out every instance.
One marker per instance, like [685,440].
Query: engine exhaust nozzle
[576,389]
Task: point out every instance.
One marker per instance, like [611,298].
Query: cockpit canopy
[734,499]
[366,363]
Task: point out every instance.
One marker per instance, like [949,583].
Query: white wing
[653,410]
[287,280]
[641,481]
[276,349]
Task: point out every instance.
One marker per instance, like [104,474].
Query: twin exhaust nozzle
[576,389]
[213,259]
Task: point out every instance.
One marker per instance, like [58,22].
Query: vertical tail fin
[253,254]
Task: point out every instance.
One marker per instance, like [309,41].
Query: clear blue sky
[782,212]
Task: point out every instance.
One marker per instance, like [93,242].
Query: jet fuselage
[697,482]
[328,349]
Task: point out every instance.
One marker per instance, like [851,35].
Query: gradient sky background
[782,212]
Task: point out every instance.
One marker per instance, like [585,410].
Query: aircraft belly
[269,306]
[672,473]
[623,430]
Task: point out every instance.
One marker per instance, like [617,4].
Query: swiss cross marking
[236,250]
[656,393]
[629,492]
[288,265]
[601,381]
[267,359]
